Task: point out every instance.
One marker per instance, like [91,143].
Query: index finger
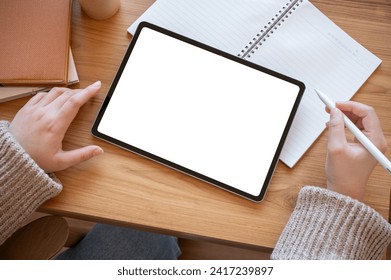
[72,105]
[357,111]
[368,120]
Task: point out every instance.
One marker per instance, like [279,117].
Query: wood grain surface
[125,189]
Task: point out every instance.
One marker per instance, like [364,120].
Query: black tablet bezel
[173,165]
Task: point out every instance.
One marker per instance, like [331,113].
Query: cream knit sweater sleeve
[328,225]
[24,186]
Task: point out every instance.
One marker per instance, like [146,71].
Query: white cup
[100,9]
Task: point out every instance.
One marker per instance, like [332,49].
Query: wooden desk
[124,189]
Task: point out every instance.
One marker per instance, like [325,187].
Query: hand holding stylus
[349,165]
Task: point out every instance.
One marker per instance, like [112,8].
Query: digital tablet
[201,111]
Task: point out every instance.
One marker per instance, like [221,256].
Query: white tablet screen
[199,110]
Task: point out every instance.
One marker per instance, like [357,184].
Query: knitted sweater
[24,186]
[324,224]
[328,225]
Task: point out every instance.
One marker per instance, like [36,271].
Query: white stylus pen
[381,158]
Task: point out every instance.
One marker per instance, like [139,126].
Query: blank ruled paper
[303,44]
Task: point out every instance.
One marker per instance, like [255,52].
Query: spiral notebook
[289,36]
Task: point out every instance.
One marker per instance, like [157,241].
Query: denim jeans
[106,242]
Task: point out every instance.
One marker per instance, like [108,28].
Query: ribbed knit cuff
[328,225]
[24,186]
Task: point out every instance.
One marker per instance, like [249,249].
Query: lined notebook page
[227,25]
[306,46]
[311,48]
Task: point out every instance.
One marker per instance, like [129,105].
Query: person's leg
[106,242]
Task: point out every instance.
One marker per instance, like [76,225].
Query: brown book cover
[34,41]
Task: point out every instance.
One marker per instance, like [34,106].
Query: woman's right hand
[349,164]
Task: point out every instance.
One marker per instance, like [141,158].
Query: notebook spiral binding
[269,29]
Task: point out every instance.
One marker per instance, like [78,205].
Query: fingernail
[96,84]
[335,116]
[98,151]
[335,112]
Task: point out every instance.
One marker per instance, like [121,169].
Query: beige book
[34,41]
[13,92]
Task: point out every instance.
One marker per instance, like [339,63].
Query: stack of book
[35,49]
